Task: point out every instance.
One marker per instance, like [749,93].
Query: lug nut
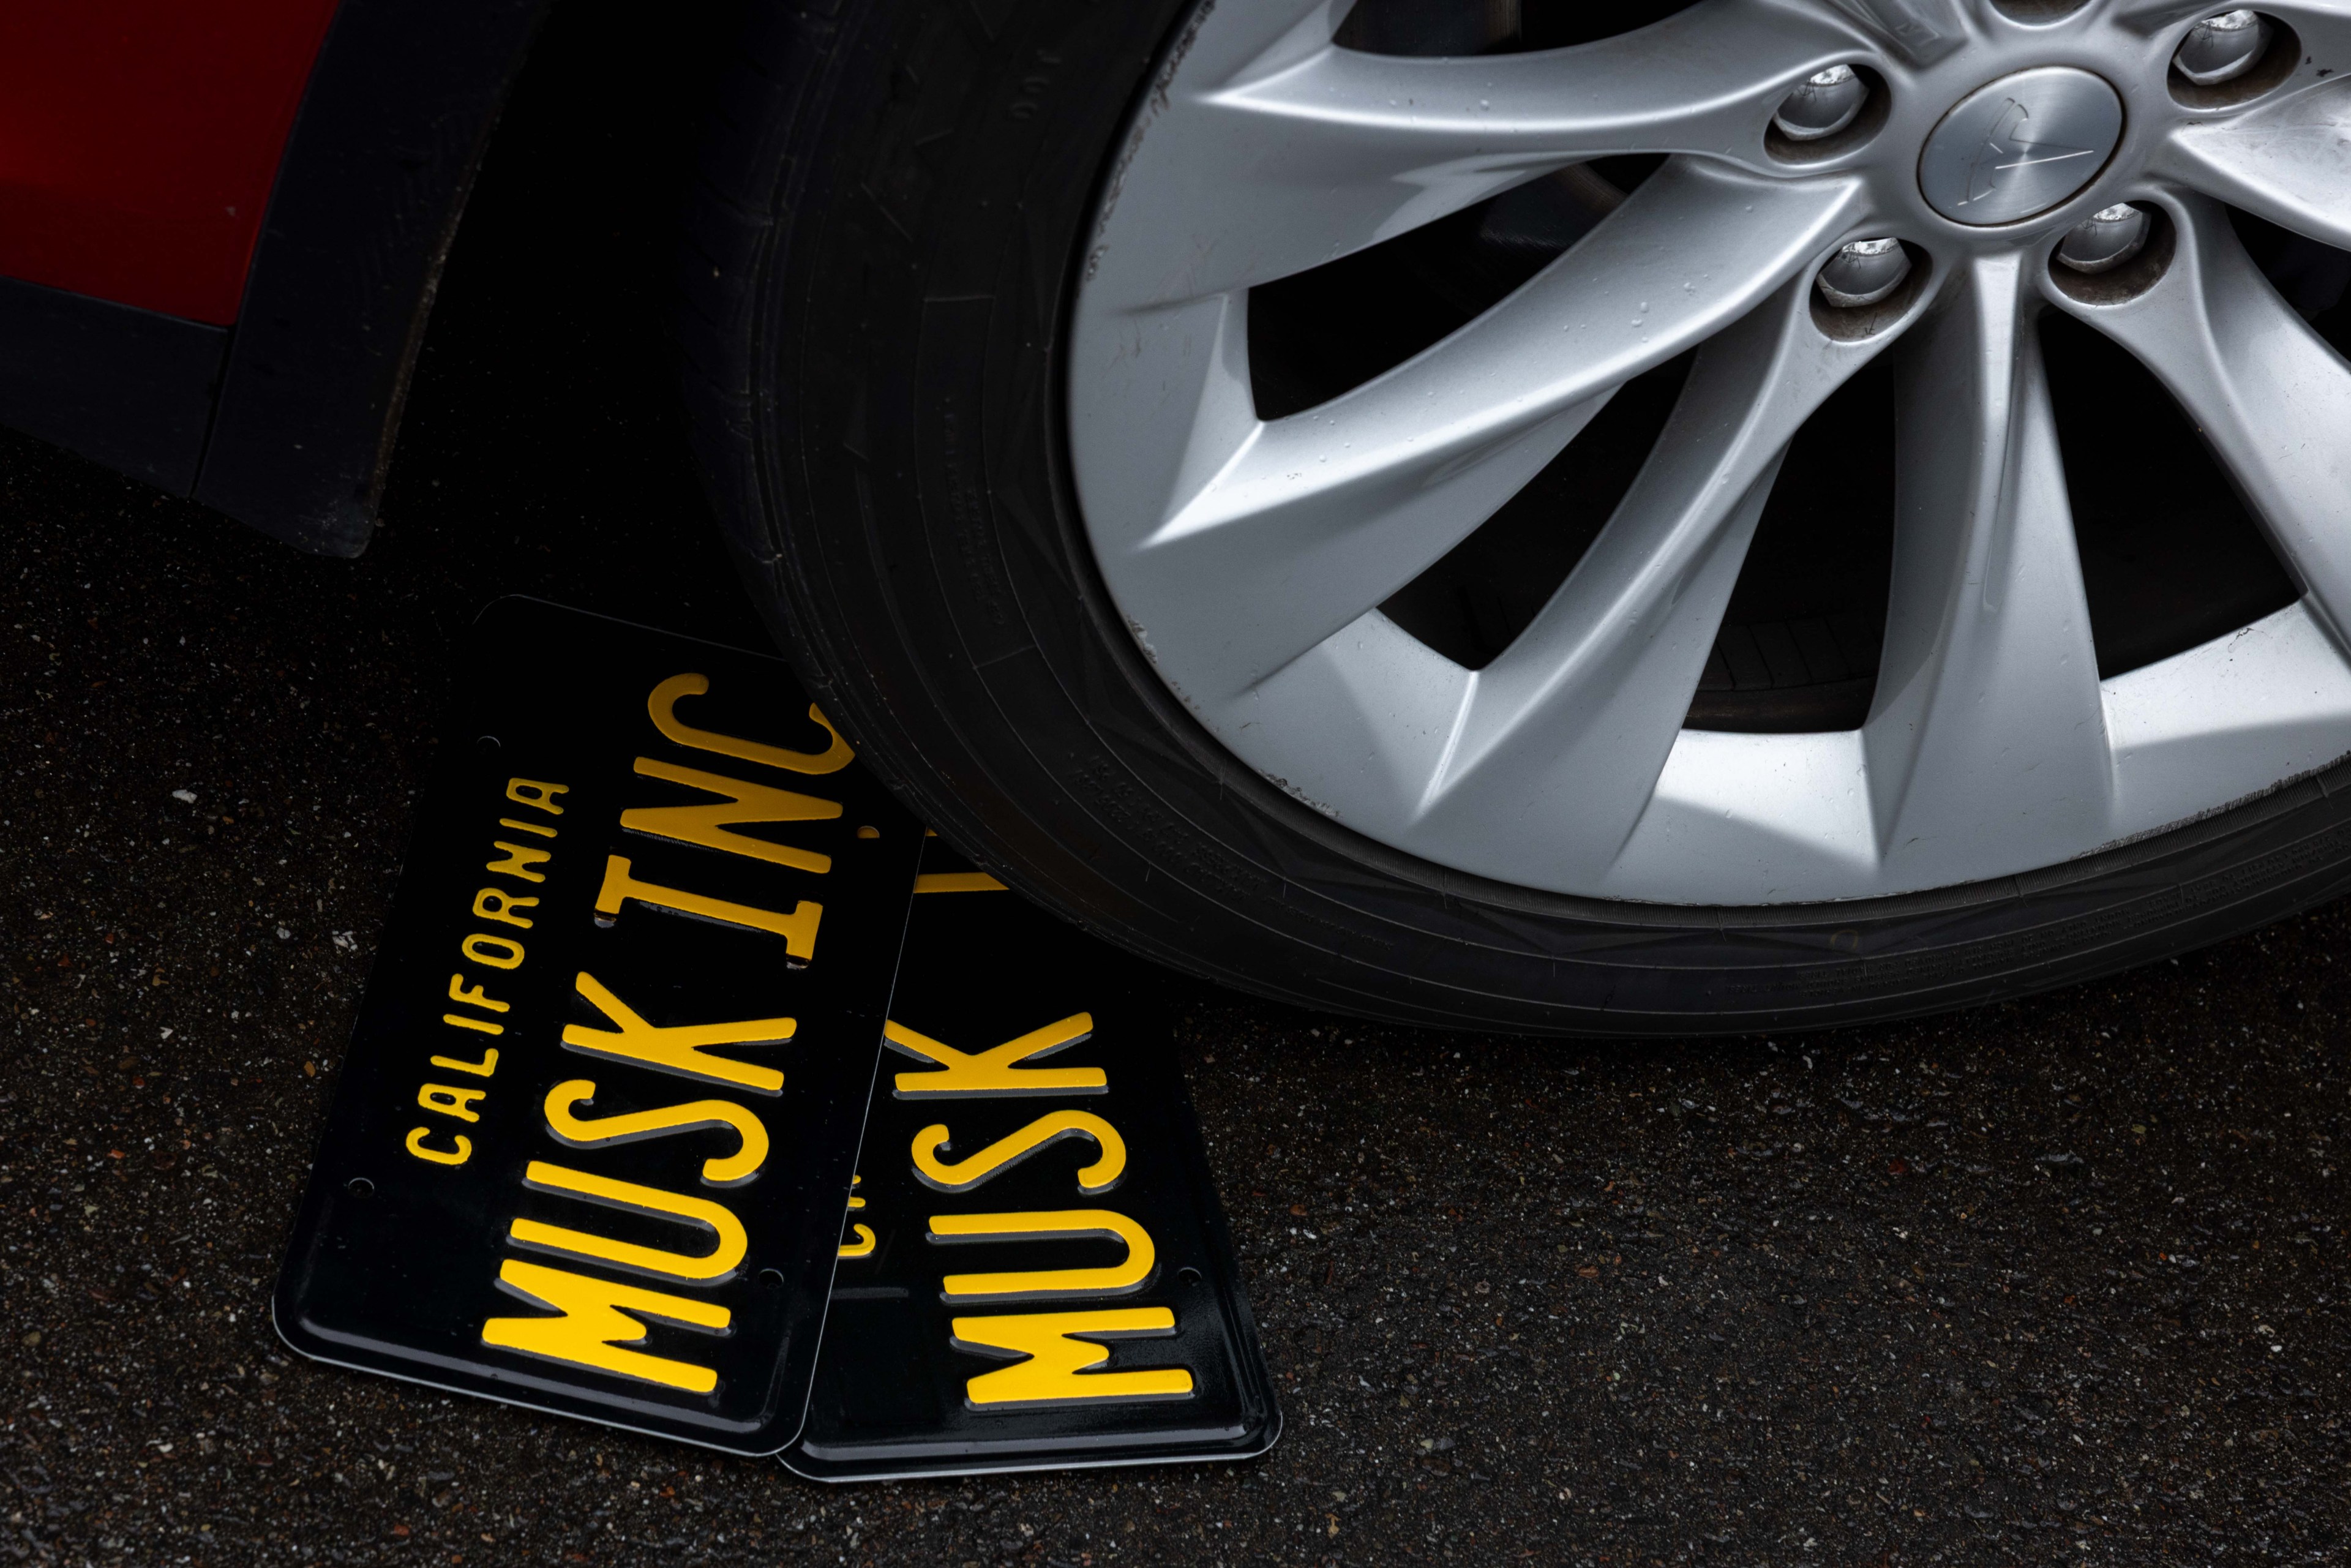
[2223,49]
[2105,239]
[1864,273]
[1825,104]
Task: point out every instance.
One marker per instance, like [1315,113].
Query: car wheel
[1547,517]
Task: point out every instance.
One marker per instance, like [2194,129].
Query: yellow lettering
[519,859]
[474,947]
[956,881]
[1117,1280]
[482,1025]
[798,929]
[449,1102]
[677,1048]
[1014,1147]
[490,904]
[662,706]
[1056,1357]
[531,792]
[716,1266]
[863,1246]
[583,1133]
[472,996]
[591,1329]
[997,1071]
[482,1068]
[710,826]
[541,829]
[457,1156]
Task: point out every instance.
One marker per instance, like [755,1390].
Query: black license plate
[592,1141]
[1036,1273]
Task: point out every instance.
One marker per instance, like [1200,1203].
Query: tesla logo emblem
[2020,145]
[2009,145]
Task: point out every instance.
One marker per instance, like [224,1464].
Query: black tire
[895,197]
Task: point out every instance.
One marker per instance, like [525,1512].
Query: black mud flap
[591,1146]
[1036,1273]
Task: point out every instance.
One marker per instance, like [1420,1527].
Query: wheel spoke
[1923,31]
[1584,706]
[1303,524]
[2270,396]
[1987,733]
[2288,163]
[1307,152]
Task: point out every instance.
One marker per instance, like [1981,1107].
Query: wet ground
[2059,1280]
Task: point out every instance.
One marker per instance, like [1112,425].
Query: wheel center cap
[2020,145]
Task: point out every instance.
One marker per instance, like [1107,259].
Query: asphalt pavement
[2058,1280]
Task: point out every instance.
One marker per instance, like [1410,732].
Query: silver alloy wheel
[1251,556]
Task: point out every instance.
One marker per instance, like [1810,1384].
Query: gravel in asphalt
[2055,1280]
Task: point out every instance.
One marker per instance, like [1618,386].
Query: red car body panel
[139,139]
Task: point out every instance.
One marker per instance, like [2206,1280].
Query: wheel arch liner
[392,127]
[285,419]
